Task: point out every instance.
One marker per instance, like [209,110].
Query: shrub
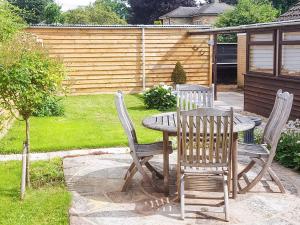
[159,97]
[178,74]
[47,174]
[288,149]
[51,106]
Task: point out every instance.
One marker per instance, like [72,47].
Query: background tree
[246,12]
[118,6]
[283,5]
[27,76]
[96,13]
[33,9]
[10,21]
[52,13]
[146,12]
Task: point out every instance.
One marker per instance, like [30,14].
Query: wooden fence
[107,59]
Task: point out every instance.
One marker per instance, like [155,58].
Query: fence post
[143,58]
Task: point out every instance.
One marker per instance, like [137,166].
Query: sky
[72,4]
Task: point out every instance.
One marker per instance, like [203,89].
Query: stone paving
[95,183]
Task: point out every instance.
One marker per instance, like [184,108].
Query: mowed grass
[89,122]
[47,204]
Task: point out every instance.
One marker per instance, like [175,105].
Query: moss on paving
[89,122]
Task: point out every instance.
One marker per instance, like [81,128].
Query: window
[261,48]
[289,53]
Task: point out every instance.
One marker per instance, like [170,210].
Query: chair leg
[182,196]
[153,170]
[246,169]
[226,196]
[276,180]
[129,178]
[129,170]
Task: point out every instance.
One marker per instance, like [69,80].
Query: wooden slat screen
[107,60]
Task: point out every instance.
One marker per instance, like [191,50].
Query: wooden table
[167,123]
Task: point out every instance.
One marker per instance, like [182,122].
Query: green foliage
[159,97]
[51,106]
[288,149]
[117,6]
[157,22]
[33,9]
[47,174]
[27,75]
[246,12]
[178,74]
[283,5]
[52,13]
[10,21]
[96,13]
[47,205]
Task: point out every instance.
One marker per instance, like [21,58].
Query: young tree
[146,12]
[27,76]
[10,21]
[247,12]
[96,13]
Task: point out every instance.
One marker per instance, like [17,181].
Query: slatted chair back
[277,120]
[125,120]
[194,96]
[205,137]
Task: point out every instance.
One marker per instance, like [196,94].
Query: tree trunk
[27,143]
[23,179]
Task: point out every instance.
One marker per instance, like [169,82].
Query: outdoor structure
[104,59]
[272,63]
[204,14]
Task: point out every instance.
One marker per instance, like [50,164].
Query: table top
[167,122]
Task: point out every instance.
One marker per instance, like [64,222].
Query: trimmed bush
[178,74]
[51,106]
[159,97]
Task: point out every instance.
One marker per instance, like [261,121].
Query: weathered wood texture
[107,60]
[260,93]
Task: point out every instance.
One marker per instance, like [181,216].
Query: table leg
[166,162]
[234,166]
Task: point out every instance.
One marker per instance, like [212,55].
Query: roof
[245,28]
[207,9]
[292,14]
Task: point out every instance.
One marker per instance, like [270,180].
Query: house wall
[241,59]
[204,20]
[177,21]
[100,60]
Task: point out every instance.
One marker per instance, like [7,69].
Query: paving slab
[95,182]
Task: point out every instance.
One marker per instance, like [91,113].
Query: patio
[95,183]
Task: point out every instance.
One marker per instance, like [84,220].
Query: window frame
[270,43]
[282,43]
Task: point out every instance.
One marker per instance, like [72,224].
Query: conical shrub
[178,74]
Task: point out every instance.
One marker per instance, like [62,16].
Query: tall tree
[96,13]
[247,12]
[52,13]
[118,6]
[146,12]
[34,9]
[283,5]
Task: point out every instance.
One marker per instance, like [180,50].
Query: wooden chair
[263,154]
[191,96]
[202,154]
[140,153]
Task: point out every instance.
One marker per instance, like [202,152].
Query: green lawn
[46,204]
[89,122]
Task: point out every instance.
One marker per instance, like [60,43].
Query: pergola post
[143,59]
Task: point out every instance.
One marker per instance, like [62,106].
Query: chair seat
[253,150]
[143,150]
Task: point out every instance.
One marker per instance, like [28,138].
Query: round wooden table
[167,123]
